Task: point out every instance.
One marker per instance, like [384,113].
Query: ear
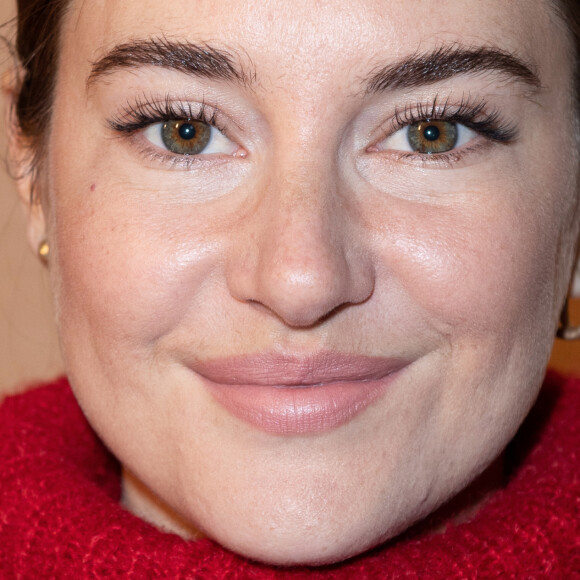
[21,164]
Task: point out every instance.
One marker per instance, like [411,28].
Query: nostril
[296,320]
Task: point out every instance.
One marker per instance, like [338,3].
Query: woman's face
[334,312]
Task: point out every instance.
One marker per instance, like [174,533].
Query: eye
[189,137]
[428,137]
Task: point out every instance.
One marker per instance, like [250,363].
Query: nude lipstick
[298,395]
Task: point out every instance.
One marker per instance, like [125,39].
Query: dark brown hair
[569,10]
[37,49]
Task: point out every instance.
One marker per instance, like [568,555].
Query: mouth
[298,395]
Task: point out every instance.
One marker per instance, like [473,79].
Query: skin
[312,236]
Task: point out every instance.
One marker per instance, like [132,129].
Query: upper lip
[276,369]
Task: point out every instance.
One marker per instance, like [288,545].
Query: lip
[296,395]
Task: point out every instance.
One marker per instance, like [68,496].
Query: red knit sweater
[60,516]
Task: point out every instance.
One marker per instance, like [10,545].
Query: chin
[301,551]
[304,543]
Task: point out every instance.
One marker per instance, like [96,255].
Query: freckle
[93,187]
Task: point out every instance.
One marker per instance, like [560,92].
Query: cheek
[477,267]
[127,271]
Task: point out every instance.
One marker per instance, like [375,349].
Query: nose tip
[306,286]
[301,264]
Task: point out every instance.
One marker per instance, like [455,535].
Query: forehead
[317,38]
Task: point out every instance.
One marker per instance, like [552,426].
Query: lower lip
[299,410]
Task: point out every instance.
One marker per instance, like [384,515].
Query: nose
[302,255]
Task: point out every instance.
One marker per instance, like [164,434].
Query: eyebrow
[420,69]
[447,62]
[200,60]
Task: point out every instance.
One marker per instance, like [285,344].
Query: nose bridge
[302,243]
[300,196]
[298,258]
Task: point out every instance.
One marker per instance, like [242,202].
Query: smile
[298,395]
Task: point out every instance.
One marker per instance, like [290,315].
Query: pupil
[187,131]
[431,133]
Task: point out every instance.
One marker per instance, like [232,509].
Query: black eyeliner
[472,115]
[144,112]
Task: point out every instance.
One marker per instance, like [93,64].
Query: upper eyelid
[434,110]
[145,111]
[474,114]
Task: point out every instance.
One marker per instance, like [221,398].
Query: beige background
[28,345]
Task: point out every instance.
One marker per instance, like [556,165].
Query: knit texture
[60,516]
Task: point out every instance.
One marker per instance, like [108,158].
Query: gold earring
[43,251]
[567,331]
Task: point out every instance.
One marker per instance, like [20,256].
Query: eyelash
[143,113]
[474,115]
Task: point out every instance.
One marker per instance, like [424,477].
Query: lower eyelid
[448,160]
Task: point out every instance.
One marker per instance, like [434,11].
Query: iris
[185,137]
[430,137]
